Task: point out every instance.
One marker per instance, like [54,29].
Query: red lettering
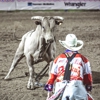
[61,70]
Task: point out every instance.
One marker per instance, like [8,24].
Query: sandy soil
[85,24]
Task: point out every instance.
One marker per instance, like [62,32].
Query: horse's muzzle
[50,40]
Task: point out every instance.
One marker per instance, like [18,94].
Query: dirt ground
[86,26]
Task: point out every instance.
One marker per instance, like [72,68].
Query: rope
[46,49]
[42,73]
[45,69]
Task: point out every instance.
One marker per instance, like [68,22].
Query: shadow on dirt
[10,78]
[96,77]
[2,74]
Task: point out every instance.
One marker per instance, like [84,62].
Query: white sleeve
[54,68]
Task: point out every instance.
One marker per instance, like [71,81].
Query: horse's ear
[58,22]
[38,22]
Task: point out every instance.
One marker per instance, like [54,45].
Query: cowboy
[80,82]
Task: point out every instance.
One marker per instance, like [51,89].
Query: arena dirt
[86,26]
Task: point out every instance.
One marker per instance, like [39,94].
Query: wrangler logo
[75,4]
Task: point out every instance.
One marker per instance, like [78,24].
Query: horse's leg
[39,53]
[18,56]
[29,59]
[16,59]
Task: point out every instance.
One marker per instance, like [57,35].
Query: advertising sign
[57,4]
[7,5]
[48,4]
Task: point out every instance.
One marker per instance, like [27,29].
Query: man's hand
[48,87]
[88,87]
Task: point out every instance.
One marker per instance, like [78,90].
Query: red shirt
[80,69]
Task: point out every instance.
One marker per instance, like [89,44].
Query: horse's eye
[43,28]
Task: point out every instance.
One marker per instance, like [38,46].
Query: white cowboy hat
[72,43]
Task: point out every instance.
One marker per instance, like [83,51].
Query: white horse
[33,45]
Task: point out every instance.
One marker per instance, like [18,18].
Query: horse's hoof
[30,88]
[7,79]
